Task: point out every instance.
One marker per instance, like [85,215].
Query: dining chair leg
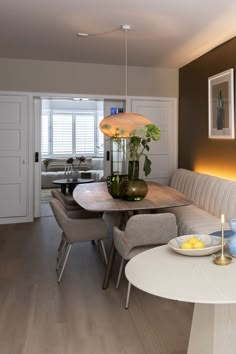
[111,259]
[62,255]
[61,249]
[60,246]
[103,250]
[128,296]
[120,272]
[68,248]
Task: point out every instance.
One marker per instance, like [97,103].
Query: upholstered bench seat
[193,220]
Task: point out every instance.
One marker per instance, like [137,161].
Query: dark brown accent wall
[196,151]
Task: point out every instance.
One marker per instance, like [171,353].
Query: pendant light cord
[126,28]
[126,70]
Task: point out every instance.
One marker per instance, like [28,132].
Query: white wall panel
[160,146]
[9,139]
[157,112]
[84,78]
[10,112]
[10,167]
[160,167]
[163,153]
[14,172]
[10,196]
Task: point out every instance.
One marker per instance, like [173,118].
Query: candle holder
[222,259]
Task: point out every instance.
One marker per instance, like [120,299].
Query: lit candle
[222,218]
[222,259]
[222,234]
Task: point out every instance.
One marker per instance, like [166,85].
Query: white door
[164,152]
[14,115]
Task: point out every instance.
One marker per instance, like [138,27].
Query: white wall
[82,78]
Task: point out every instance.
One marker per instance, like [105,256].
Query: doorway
[69,132]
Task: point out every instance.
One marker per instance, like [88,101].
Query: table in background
[95,197]
[211,288]
[71,183]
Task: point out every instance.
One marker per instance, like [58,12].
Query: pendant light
[121,125]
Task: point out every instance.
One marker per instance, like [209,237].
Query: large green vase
[136,188]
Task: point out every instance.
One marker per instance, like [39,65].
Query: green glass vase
[136,188]
[116,185]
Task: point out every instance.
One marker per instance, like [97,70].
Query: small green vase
[116,185]
[136,188]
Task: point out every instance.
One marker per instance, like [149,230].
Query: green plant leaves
[147,166]
[153,132]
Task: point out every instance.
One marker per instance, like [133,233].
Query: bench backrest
[213,194]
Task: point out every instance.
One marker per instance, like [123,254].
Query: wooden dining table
[95,197]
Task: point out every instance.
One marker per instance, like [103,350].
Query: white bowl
[212,245]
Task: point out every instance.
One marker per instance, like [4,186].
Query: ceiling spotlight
[81,34]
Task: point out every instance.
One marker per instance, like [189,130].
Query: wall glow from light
[218,171]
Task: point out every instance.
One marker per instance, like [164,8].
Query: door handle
[36,157]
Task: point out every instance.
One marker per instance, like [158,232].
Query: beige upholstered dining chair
[76,230]
[73,209]
[143,232]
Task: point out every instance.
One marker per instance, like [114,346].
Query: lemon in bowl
[196,245]
[199,244]
[193,240]
[191,243]
[186,246]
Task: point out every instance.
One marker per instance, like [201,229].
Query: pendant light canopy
[123,125]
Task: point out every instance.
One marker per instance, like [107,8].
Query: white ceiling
[165,33]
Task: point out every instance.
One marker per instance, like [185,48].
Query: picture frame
[221,105]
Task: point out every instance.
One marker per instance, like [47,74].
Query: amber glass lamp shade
[122,124]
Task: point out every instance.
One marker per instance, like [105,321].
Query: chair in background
[76,230]
[73,209]
[143,232]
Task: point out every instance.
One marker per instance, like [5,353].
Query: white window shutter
[85,138]
[62,134]
[45,135]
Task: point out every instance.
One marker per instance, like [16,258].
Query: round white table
[162,272]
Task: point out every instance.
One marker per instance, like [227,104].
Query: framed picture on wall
[221,105]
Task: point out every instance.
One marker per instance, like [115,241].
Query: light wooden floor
[77,317]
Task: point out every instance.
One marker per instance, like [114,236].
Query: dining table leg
[111,259]
[63,188]
[71,187]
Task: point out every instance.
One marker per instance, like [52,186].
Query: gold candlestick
[222,259]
